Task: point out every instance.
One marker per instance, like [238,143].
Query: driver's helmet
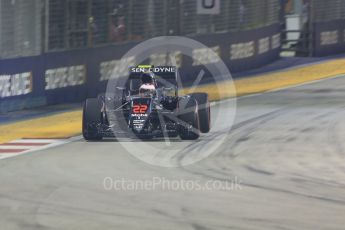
[147,78]
[148,84]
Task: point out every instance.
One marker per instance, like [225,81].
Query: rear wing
[168,73]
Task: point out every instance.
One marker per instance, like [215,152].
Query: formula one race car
[149,106]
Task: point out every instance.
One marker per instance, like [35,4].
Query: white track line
[4,146]
[36,141]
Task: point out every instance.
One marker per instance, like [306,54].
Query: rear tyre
[91,118]
[204,111]
[189,129]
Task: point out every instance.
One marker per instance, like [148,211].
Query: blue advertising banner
[329,37]
[73,76]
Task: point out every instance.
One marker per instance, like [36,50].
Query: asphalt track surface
[286,149]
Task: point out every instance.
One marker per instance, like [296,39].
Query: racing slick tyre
[188,114]
[204,111]
[91,117]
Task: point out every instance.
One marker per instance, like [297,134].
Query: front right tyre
[189,127]
[204,111]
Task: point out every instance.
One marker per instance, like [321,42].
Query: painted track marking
[22,146]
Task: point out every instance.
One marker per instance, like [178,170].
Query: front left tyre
[91,118]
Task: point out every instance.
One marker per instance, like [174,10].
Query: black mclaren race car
[147,106]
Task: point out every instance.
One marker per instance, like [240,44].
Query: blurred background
[79,41]
[31,27]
